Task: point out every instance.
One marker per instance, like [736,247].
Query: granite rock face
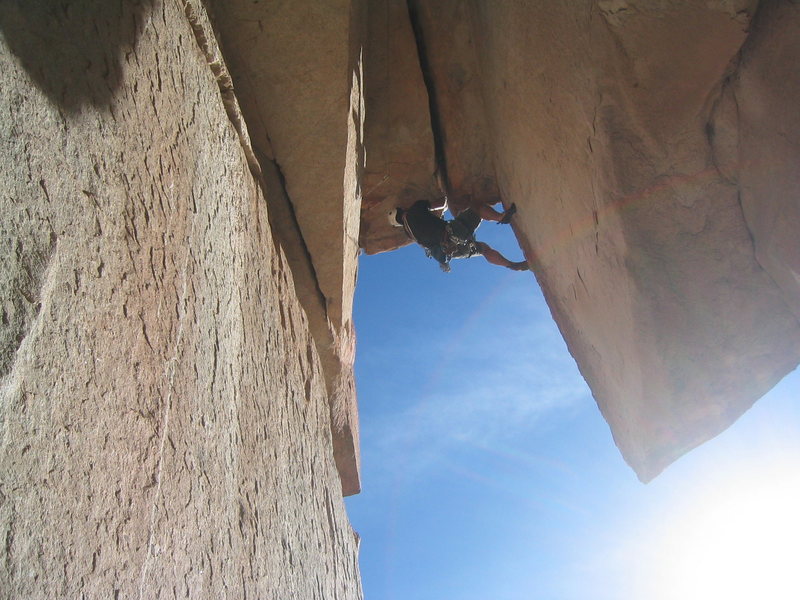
[401,165]
[164,423]
[297,70]
[766,151]
[640,240]
[652,151]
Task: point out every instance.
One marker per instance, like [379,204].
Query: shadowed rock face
[74,53]
[163,412]
[651,148]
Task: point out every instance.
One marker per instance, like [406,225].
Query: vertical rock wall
[164,428]
[400,162]
[446,38]
[297,68]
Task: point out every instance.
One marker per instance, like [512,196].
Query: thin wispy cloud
[492,384]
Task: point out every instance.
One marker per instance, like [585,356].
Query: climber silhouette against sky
[446,240]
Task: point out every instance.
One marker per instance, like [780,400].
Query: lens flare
[742,541]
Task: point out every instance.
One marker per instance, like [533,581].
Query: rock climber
[446,240]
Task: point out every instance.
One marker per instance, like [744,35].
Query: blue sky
[488,472]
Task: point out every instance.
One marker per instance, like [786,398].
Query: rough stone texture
[765,96]
[303,108]
[639,240]
[164,428]
[459,116]
[647,145]
[400,164]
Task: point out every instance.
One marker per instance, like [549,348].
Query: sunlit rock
[163,410]
[297,69]
[400,163]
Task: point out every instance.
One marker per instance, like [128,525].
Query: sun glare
[742,541]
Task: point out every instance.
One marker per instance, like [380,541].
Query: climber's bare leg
[494,257]
[487,213]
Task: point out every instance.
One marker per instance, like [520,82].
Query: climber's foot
[512,210]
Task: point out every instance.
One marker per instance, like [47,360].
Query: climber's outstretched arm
[494,257]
